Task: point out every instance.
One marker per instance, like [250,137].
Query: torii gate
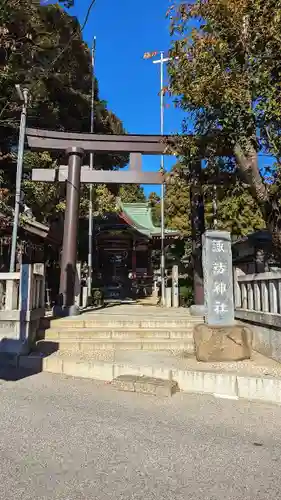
[75,145]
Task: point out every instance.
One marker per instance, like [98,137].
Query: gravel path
[71,439]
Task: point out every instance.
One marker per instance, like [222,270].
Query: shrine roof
[139,216]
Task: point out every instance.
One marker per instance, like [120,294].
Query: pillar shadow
[14,367]
[13,374]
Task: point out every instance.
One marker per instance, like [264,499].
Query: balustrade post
[279,295]
[237,290]
[250,296]
[25,299]
[257,296]
[26,285]
[39,300]
[78,288]
[11,302]
[244,298]
[273,303]
[264,296]
[169,297]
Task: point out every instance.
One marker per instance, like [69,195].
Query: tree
[226,74]
[132,193]
[177,203]
[43,49]
[237,211]
[155,204]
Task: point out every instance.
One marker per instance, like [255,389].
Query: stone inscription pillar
[218,278]
[70,234]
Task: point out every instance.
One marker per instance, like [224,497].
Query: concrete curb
[222,385]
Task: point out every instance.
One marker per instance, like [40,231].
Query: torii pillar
[66,303]
[197,231]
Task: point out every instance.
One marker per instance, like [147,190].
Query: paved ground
[130,311]
[71,439]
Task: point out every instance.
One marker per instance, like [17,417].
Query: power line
[58,56]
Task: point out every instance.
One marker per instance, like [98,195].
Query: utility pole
[215,208]
[23,95]
[163,287]
[90,230]
[161,61]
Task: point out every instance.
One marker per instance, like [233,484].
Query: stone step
[124,333]
[146,385]
[261,381]
[91,346]
[123,323]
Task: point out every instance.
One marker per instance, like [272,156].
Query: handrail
[260,276]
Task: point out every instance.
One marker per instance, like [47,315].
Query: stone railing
[258,302]
[259,292]
[37,299]
[10,297]
[9,291]
[22,304]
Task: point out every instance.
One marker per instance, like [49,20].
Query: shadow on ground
[13,374]
[14,367]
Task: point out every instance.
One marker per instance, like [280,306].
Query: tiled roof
[140,217]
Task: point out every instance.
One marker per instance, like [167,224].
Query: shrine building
[125,243]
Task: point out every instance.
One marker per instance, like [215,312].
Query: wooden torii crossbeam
[134,175]
[44,140]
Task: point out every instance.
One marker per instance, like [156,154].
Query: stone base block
[125,383]
[63,311]
[146,385]
[196,310]
[222,343]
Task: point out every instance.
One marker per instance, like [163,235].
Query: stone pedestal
[197,310]
[222,343]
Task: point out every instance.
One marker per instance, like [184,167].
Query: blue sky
[125,30]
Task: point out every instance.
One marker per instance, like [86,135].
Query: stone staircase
[139,329]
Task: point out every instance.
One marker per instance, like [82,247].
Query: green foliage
[132,193]
[238,214]
[237,211]
[177,203]
[154,201]
[226,75]
[35,52]
[186,296]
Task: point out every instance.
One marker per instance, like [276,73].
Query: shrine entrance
[75,146]
[124,243]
